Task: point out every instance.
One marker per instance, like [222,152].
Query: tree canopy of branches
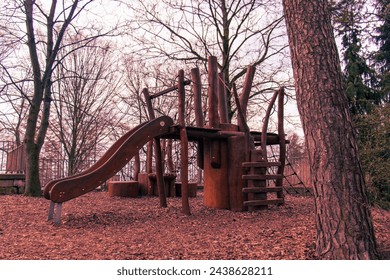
[238,33]
[84,95]
[41,27]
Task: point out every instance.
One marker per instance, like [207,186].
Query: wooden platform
[199,133]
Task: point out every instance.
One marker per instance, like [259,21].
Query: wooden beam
[199,120]
[244,96]
[222,104]
[170,89]
[282,139]
[197,91]
[265,126]
[184,146]
[213,92]
[157,147]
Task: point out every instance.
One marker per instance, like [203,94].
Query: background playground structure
[236,175]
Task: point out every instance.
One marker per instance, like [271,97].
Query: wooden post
[149,157]
[265,126]
[197,91]
[243,126]
[157,146]
[282,140]
[150,110]
[244,96]
[222,104]
[199,121]
[171,168]
[137,167]
[215,153]
[184,146]
[213,92]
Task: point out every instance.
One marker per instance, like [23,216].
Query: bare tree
[296,147]
[41,26]
[343,219]
[239,33]
[155,77]
[13,113]
[14,84]
[85,100]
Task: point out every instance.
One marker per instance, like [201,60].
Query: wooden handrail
[168,90]
[265,125]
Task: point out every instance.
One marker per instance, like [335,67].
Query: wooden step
[261,164]
[262,177]
[263,202]
[262,189]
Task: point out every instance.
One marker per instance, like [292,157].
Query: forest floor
[98,227]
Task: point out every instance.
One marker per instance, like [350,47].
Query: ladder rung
[263,202]
[261,164]
[262,177]
[262,189]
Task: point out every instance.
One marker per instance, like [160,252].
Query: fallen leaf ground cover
[98,227]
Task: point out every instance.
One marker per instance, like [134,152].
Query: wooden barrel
[123,188]
[144,184]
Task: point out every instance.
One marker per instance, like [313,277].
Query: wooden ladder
[257,194]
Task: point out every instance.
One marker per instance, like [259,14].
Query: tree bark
[343,219]
[33,186]
[37,123]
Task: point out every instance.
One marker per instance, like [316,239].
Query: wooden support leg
[57,219]
[160,174]
[51,211]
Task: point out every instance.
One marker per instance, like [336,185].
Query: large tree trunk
[38,118]
[343,219]
[33,184]
[34,136]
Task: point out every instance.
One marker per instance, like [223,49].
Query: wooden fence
[12,157]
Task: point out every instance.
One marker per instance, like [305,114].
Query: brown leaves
[96,226]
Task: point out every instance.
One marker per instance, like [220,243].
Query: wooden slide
[113,160]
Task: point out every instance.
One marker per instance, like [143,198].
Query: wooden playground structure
[237,173]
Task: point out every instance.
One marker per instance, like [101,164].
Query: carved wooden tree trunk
[343,219]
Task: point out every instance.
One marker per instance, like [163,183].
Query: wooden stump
[144,184]
[192,188]
[123,189]
[169,184]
